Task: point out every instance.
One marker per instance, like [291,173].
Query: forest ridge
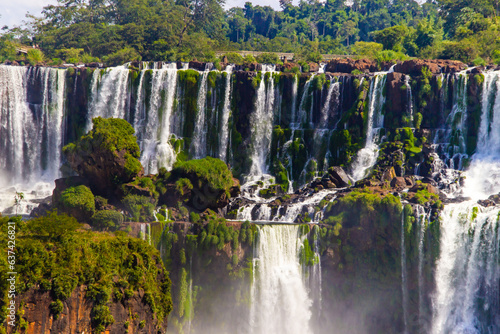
[116,31]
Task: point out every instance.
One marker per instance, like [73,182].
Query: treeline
[115,31]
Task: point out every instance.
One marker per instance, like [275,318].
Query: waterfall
[262,122]
[333,93]
[302,116]
[280,302]
[483,175]
[368,155]
[226,110]
[110,94]
[154,135]
[404,274]
[422,221]
[409,97]
[31,131]
[199,143]
[467,273]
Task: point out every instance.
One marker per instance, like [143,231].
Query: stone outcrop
[436,66]
[347,65]
[131,316]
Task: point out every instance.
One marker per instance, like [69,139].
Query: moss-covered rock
[202,183]
[77,202]
[107,156]
[109,279]
[107,219]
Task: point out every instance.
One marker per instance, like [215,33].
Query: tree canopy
[114,30]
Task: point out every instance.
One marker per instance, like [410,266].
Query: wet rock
[313,67]
[41,210]
[435,66]
[410,181]
[486,203]
[339,176]
[347,65]
[389,174]
[398,182]
[197,65]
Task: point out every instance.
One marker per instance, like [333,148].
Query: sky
[13,11]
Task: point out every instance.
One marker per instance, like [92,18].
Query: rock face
[436,66]
[107,156]
[347,65]
[201,183]
[132,316]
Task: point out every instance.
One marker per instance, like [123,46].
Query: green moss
[306,255]
[139,207]
[182,184]
[79,199]
[100,261]
[210,171]
[107,219]
[56,308]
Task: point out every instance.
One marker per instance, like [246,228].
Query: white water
[467,271]
[199,143]
[154,131]
[109,96]
[422,217]
[367,156]
[292,211]
[280,303]
[31,133]
[223,142]
[404,274]
[262,123]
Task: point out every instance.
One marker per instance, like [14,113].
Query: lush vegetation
[118,31]
[207,171]
[53,256]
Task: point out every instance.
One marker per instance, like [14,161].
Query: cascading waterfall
[280,301]
[199,143]
[409,97]
[154,140]
[303,116]
[367,156]
[404,274]
[223,142]
[262,122]
[109,93]
[467,271]
[422,217]
[31,131]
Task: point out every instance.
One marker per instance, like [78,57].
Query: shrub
[122,56]
[56,308]
[268,58]
[78,201]
[107,219]
[210,171]
[366,49]
[35,56]
[234,58]
[140,207]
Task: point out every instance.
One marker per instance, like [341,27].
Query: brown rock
[389,174]
[313,67]
[197,65]
[347,65]
[339,176]
[414,66]
[398,182]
